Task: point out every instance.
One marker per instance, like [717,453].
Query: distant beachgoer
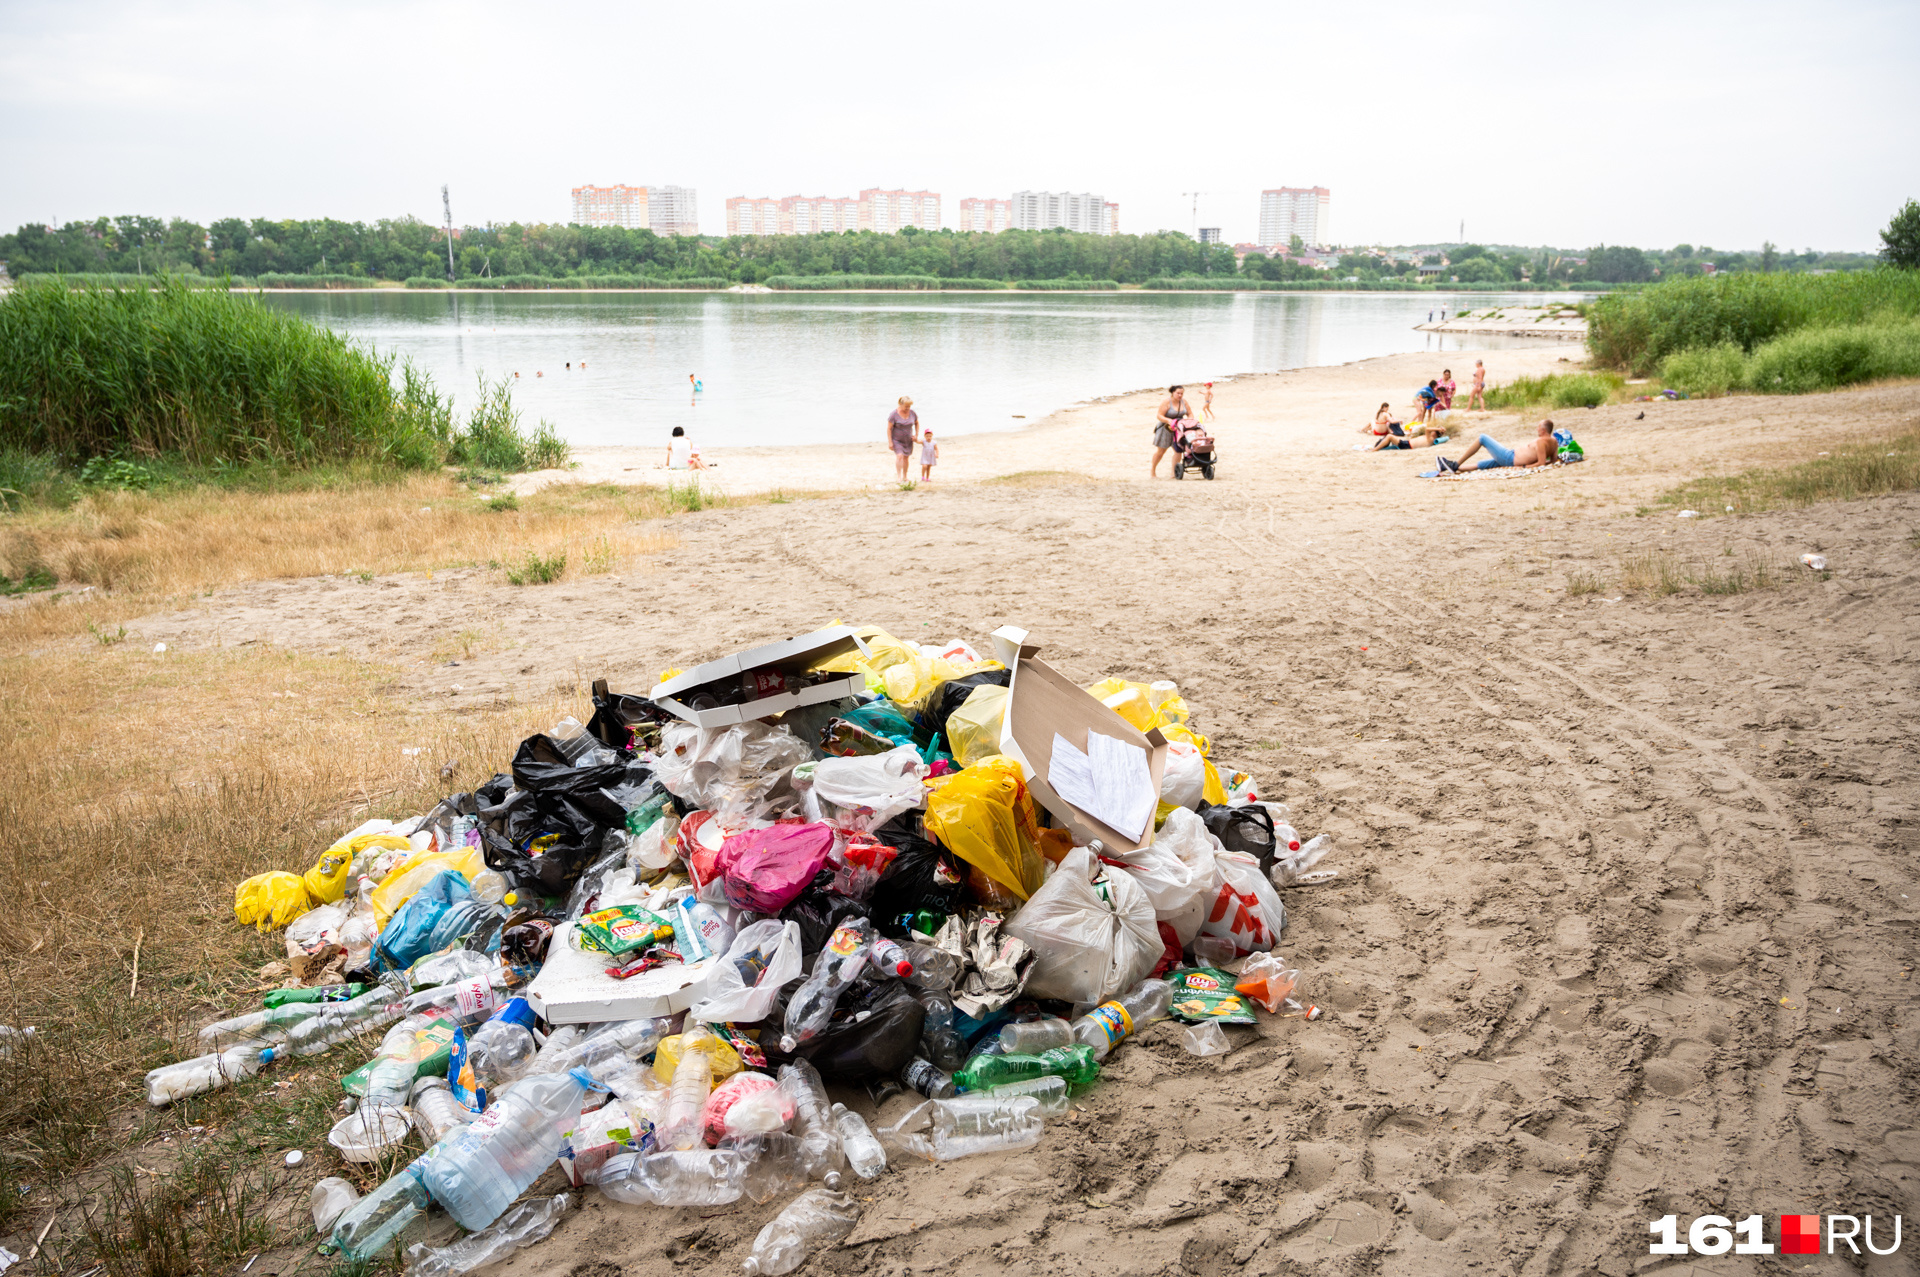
[1429,317]
[1443,314]
[1444,388]
[1478,398]
[1166,425]
[539,374]
[929,456]
[569,365]
[1424,400]
[681,454]
[903,431]
[1206,404]
[695,383]
[1538,451]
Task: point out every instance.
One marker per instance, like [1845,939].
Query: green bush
[492,438]
[111,280]
[1557,390]
[272,280]
[1706,371]
[535,570]
[205,376]
[1827,358]
[1063,285]
[513,282]
[32,477]
[827,283]
[964,285]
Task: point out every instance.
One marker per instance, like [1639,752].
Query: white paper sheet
[1111,781]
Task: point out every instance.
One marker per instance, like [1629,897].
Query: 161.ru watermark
[1798,1235]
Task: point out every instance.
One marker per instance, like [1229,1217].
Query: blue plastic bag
[409,933]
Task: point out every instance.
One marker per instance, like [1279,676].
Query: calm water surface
[795,368]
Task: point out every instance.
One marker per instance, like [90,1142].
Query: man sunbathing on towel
[1540,450]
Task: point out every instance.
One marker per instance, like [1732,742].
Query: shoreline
[752,291]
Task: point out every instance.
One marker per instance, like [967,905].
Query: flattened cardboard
[790,656]
[574,987]
[1041,701]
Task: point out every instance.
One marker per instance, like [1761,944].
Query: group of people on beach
[1422,431]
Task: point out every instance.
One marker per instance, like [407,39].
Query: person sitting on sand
[1383,422]
[1541,450]
[1166,425]
[1401,437]
[681,454]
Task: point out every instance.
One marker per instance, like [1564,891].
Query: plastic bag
[1247,829]
[819,912]
[404,940]
[416,871]
[882,719]
[1206,1039]
[327,880]
[764,869]
[1246,909]
[914,682]
[973,729]
[720,1102]
[316,932]
[1268,980]
[1092,944]
[269,900]
[878,1036]
[1178,734]
[857,864]
[744,986]
[924,878]
[729,771]
[1144,705]
[1184,782]
[725,1060]
[861,793]
[883,649]
[984,815]
[955,693]
[1176,873]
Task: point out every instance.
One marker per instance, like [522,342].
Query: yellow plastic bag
[973,730]
[415,872]
[984,815]
[270,900]
[883,649]
[726,1060]
[327,880]
[1144,705]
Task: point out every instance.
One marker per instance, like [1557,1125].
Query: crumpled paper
[998,963]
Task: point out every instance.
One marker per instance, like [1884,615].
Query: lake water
[794,368]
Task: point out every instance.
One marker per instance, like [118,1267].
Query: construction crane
[1196,209]
[447,203]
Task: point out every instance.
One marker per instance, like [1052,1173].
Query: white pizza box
[1041,701]
[789,656]
[574,987]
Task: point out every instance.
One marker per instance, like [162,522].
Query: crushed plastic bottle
[205,1073]
[940,1041]
[502,1049]
[676,1177]
[338,1021]
[864,1153]
[523,1225]
[942,1130]
[818,1217]
[478,1170]
[1075,1063]
[774,1164]
[601,1051]
[813,1121]
[332,1198]
[1111,1023]
[319,993]
[932,968]
[270,1025]
[435,1112]
[1034,1036]
[367,1229]
[1206,1039]
[390,1082]
[838,965]
[1049,1092]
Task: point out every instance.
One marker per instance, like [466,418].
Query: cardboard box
[789,656]
[1042,701]
[574,987]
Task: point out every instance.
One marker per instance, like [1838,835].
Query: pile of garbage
[645,952]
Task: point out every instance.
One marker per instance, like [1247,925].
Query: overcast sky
[1649,124]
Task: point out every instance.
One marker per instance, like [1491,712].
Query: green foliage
[1618,265]
[204,376]
[1635,331]
[504,502]
[535,570]
[107,638]
[1705,371]
[32,477]
[1557,390]
[1901,238]
[689,497]
[117,473]
[1062,285]
[1827,358]
[492,439]
[823,282]
[31,580]
[1870,468]
[1478,270]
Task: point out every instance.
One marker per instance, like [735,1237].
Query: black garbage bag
[1248,829]
[923,876]
[819,910]
[875,1031]
[540,767]
[545,823]
[954,694]
[624,721]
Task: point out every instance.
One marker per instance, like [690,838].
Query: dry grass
[1040,479]
[1661,572]
[1845,470]
[141,790]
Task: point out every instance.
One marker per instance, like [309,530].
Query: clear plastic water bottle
[703,920]
[489,886]
[680,1126]
[1034,1036]
[172,1082]
[1049,1092]
[940,1041]
[676,1177]
[818,1217]
[338,1021]
[864,1153]
[369,1226]
[932,968]
[775,1164]
[435,1112]
[927,1078]
[332,1198]
[942,1130]
[527,1223]
[502,1049]
[448,968]
[603,1049]
[390,1082]
[478,1170]
[983,1114]
[838,965]
[1111,1023]
[271,1025]
[465,1002]
[813,1121]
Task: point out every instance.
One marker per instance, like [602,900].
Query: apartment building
[749,216]
[665,210]
[1044,210]
[1287,211]
[985,215]
[1113,218]
[794,215]
[890,211]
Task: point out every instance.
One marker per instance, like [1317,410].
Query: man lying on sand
[1538,451]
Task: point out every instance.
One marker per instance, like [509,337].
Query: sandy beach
[1626,919]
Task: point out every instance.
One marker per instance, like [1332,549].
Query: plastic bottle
[864,1153]
[12,1038]
[892,956]
[818,1217]
[320,993]
[682,1177]
[813,1121]
[1049,1092]
[1213,951]
[390,1082]
[1034,1036]
[603,1050]
[338,1021]
[465,1002]
[686,1095]
[1283,832]
[369,1226]
[774,1164]
[271,1025]
[478,1170]
[332,1198]
[927,1078]
[208,1072]
[983,1114]
[1074,1063]
[526,1223]
[932,968]
[940,1132]
[940,1041]
[701,919]
[489,886]
[502,1049]
[1110,1023]
[837,966]
[447,968]
[435,1112]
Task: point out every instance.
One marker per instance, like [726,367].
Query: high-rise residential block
[891,211]
[985,215]
[665,210]
[1295,210]
[1211,235]
[1113,218]
[746,216]
[819,214]
[1044,210]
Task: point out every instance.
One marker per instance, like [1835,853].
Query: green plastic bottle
[1073,1063]
[320,993]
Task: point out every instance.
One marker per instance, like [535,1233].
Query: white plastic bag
[653,847]
[1245,909]
[1184,782]
[729,771]
[861,793]
[1176,871]
[729,996]
[1091,945]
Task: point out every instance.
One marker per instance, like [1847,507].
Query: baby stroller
[1193,446]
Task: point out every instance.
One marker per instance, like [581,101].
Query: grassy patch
[1585,583]
[1559,390]
[1661,572]
[536,569]
[1039,479]
[1862,469]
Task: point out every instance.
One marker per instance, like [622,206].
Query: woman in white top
[681,454]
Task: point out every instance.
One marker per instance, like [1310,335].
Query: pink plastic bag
[764,869]
[730,1092]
